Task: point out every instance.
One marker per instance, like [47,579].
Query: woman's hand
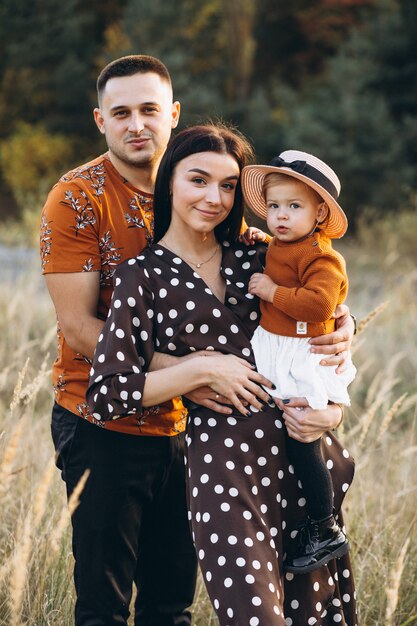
[306,424]
[204,395]
[338,342]
[237,381]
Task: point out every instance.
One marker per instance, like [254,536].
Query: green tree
[392,44]
[336,76]
[32,160]
[351,121]
[47,71]
[47,62]
[207,45]
[295,39]
[42,69]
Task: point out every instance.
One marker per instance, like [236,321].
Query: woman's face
[203,190]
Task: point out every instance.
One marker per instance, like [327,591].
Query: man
[133,507]
[131,524]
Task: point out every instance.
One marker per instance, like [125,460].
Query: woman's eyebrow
[204,173]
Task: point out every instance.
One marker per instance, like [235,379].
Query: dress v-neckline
[195,273]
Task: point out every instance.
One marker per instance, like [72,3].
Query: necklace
[197,265]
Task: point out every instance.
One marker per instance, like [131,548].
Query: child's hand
[252,235]
[262,286]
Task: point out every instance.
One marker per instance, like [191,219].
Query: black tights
[315,477]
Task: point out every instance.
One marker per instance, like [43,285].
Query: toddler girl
[304,281]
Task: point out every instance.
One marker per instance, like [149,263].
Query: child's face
[293,210]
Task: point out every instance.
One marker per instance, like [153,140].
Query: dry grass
[35,582]
[380,430]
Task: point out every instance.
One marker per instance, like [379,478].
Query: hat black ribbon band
[302,167]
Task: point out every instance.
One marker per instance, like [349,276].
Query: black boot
[319,542]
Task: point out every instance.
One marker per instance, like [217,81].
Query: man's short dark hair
[130,65]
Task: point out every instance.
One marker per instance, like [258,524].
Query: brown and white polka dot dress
[245,501]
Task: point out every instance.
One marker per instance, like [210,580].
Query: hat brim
[252,180]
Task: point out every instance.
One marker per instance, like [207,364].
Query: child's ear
[322,212]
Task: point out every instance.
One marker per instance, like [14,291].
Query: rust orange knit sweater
[312,281]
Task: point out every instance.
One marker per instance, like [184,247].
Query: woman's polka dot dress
[245,501]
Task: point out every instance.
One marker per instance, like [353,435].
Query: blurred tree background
[335,77]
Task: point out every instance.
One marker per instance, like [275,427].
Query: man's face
[136,115]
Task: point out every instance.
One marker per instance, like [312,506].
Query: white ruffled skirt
[289,364]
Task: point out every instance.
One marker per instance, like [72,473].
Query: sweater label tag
[301,328]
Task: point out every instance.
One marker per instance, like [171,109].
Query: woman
[188,293]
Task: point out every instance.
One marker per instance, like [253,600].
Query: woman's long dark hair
[214,137]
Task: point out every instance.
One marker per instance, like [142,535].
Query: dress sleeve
[317,297]
[69,240]
[125,347]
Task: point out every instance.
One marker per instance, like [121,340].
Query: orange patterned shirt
[92,221]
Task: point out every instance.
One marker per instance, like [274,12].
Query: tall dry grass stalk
[29,393]
[391,413]
[371,316]
[366,421]
[9,457]
[17,566]
[393,585]
[73,502]
[42,492]
[19,570]
[375,398]
[18,387]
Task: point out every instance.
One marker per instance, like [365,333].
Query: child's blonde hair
[275,178]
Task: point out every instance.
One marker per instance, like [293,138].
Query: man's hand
[205,396]
[262,286]
[338,343]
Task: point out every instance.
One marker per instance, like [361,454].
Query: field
[379,429]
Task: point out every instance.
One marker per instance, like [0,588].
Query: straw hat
[307,168]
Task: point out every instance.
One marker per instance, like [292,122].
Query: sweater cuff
[279,298]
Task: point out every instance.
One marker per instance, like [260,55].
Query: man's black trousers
[131,524]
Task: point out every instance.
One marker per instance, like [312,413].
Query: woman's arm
[229,376]
[204,395]
[121,382]
[307,425]
[112,394]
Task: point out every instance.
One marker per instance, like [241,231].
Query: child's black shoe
[319,542]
